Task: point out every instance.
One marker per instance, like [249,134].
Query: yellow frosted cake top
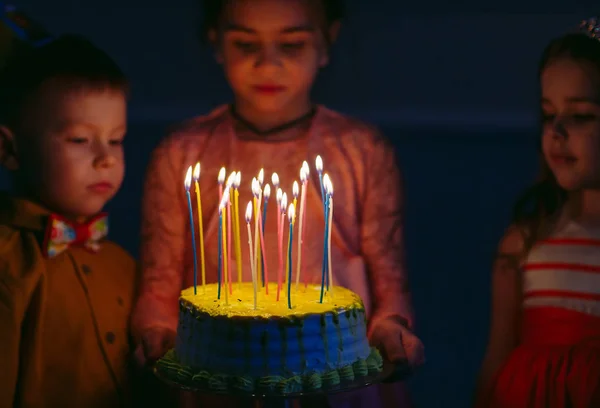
[241,301]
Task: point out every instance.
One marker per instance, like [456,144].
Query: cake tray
[391,372]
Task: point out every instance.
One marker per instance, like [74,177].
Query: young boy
[65,293]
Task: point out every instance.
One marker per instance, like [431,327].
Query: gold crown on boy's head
[591,27]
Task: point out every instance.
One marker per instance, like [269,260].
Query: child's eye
[246,46]
[116,142]
[583,117]
[77,140]
[293,46]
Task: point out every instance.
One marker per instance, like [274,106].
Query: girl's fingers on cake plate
[156,342]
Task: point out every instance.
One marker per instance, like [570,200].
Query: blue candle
[324,275]
[193,240]
[187,184]
[220,261]
[323,197]
[291,215]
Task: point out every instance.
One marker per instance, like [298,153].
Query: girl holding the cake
[271,52]
[544,347]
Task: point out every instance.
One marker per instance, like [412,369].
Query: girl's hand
[155,343]
[397,343]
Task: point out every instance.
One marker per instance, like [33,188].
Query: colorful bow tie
[62,233]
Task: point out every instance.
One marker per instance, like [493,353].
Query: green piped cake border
[170,368]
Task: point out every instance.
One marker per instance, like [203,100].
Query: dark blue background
[456,92]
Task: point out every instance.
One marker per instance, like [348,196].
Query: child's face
[70,155]
[571,131]
[271,51]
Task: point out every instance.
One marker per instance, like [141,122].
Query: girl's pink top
[367,233]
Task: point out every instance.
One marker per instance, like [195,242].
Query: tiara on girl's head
[591,27]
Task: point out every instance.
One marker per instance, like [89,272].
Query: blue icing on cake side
[274,346]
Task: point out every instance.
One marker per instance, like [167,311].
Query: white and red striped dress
[557,363]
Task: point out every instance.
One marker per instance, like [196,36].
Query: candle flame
[249,212]
[230,180]
[291,213]
[224,201]
[303,175]
[188,178]
[267,192]
[319,164]
[261,177]
[279,195]
[197,172]
[221,177]
[326,183]
[275,180]
[295,189]
[306,168]
[255,187]
[238,180]
[283,202]
[330,187]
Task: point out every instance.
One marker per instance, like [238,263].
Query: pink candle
[264,254]
[303,178]
[306,169]
[229,246]
[279,196]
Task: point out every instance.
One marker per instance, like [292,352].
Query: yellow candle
[329,190]
[236,223]
[200,228]
[225,274]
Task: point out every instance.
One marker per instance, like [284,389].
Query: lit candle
[200,227]
[255,193]
[324,274]
[229,187]
[221,180]
[329,190]
[295,193]
[279,196]
[236,223]
[220,250]
[284,203]
[222,208]
[253,272]
[260,179]
[319,167]
[265,272]
[306,169]
[275,181]
[187,184]
[303,178]
[281,217]
[291,217]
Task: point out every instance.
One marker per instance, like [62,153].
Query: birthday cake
[233,335]
[224,346]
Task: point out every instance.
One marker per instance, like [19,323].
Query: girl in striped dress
[544,345]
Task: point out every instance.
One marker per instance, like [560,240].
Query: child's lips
[101,187]
[562,159]
[269,88]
